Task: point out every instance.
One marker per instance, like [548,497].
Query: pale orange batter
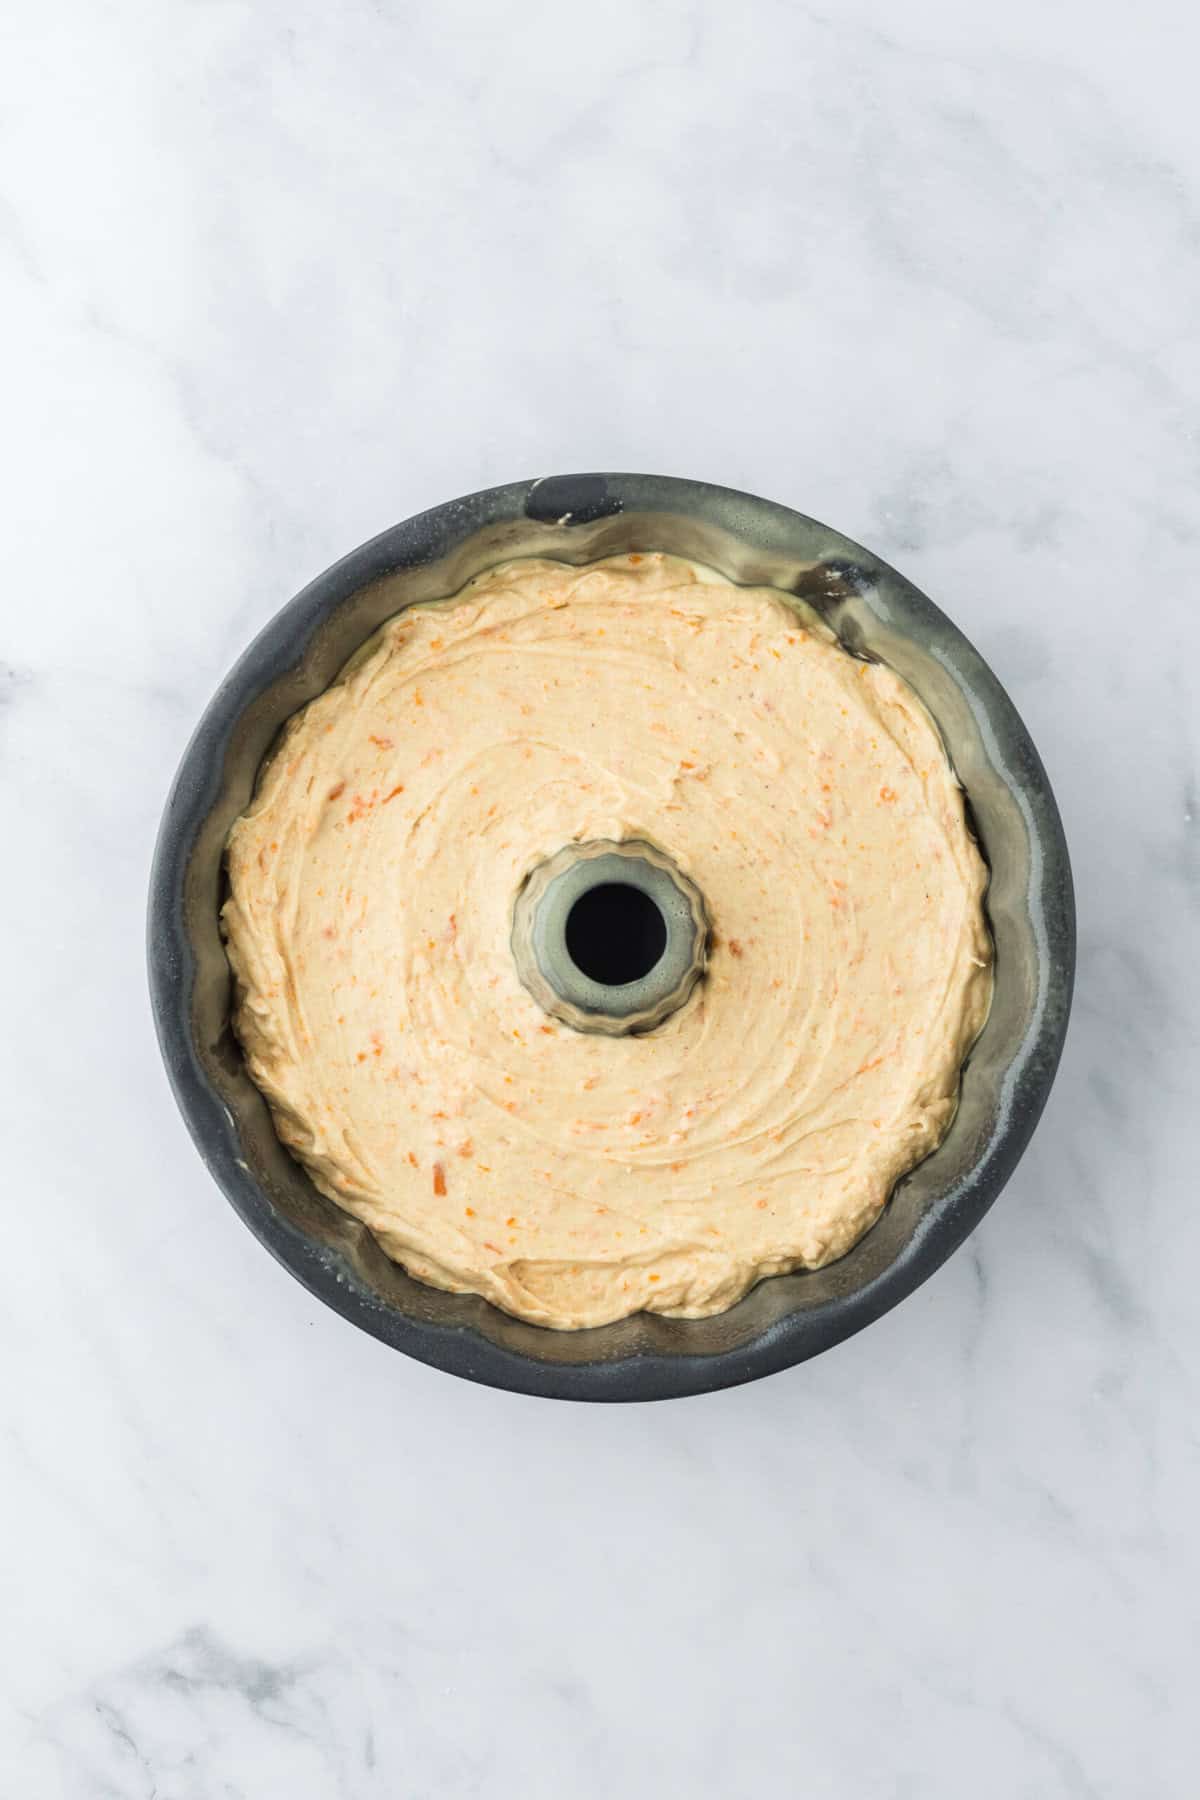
[573,1179]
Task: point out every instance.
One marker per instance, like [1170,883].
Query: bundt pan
[875,612]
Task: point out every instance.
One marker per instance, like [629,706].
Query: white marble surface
[273,277]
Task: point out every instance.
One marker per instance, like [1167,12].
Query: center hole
[615,934]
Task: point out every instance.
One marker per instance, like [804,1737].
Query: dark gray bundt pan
[875,612]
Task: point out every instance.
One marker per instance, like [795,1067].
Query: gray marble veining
[270,281]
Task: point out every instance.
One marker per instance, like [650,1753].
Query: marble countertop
[271,279]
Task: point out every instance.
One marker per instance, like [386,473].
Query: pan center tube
[610,936]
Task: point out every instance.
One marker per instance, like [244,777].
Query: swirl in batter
[574,1179]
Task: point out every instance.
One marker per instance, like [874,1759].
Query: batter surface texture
[570,1178]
